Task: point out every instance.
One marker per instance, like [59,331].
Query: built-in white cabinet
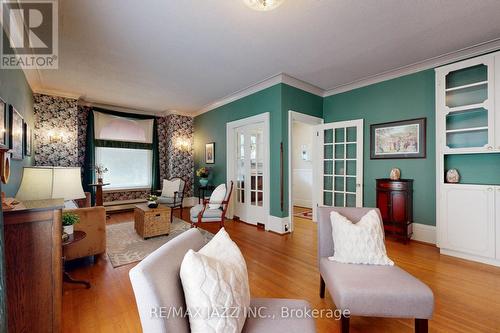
[468,122]
[469,219]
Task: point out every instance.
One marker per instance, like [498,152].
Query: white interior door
[251,171]
[339,172]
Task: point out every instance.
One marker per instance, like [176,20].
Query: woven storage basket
[150,222]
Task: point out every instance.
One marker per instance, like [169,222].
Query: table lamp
[41,183]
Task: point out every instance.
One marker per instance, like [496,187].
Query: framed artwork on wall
[28,139]
[398,139]
[210,153]
[16,134]
[3,122]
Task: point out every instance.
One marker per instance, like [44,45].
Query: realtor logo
[30,37]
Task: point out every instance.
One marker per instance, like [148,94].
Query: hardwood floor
[467,294]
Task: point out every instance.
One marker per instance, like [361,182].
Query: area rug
[305,215]
[125,246]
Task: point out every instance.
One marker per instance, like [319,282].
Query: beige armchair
[93,222]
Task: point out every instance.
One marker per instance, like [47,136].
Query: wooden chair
[178,198]
[203,213]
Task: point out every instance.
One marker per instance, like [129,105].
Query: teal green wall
[14,90]
[299,101]
[407,97]
[211,127]
[277,100]
[475,168]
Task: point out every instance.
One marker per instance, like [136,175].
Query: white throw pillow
[218,195]
[170,187]
[215,284]
[359,243]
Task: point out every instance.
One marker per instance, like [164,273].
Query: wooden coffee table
[151,222]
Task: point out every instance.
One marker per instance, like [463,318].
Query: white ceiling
[159,55]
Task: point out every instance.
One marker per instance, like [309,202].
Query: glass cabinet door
[467,108]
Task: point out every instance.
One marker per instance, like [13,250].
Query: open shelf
[475,169]
[472,129]
[466,107]
[467,86]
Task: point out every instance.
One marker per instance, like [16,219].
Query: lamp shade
[40,183]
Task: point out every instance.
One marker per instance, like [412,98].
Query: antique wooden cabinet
[33,265]
[395,201]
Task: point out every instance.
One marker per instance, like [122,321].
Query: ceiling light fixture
[263,5]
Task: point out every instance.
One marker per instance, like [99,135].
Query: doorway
[340,164]
[248,167]
[301,163]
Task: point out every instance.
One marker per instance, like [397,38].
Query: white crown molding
[430,63]
[302,85]
[55,93]
[264,84]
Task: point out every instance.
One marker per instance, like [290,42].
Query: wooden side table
[202,190]
[76,237]
[98,193]
[150,222]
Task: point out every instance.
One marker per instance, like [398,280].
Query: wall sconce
[56,136]
[182,144]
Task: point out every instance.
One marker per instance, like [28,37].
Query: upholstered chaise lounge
[158,290]
[369,290]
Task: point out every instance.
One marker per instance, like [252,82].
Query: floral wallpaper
[58,114]
[180,162]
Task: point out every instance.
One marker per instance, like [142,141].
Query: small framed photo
[3,122]
[28,140]
[210,153]
[16,134]
[399,139]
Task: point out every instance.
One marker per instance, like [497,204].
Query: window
[128,168]
[124,146]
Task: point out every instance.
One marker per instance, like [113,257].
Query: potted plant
[203,173]
[100,170]
[152,201]
[68,221]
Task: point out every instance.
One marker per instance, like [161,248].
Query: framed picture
[28,139]
[3,122]
[210,153]
[399,139]
[16,134]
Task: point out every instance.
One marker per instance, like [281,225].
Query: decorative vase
[68,229]
[452,176]
[203,181]
[99,180]
[152,204]
[395,174]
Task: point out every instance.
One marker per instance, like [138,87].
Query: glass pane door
[342,161]
[240,167]
[256,167]
[250,173]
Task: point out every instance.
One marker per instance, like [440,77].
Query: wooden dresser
[395,201]
[33,266]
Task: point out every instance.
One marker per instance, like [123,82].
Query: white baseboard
[302,203]
[190,201]
[471,257]
[280,225]
[424,233]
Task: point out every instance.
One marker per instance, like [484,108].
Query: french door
[340,167]
[250,166]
